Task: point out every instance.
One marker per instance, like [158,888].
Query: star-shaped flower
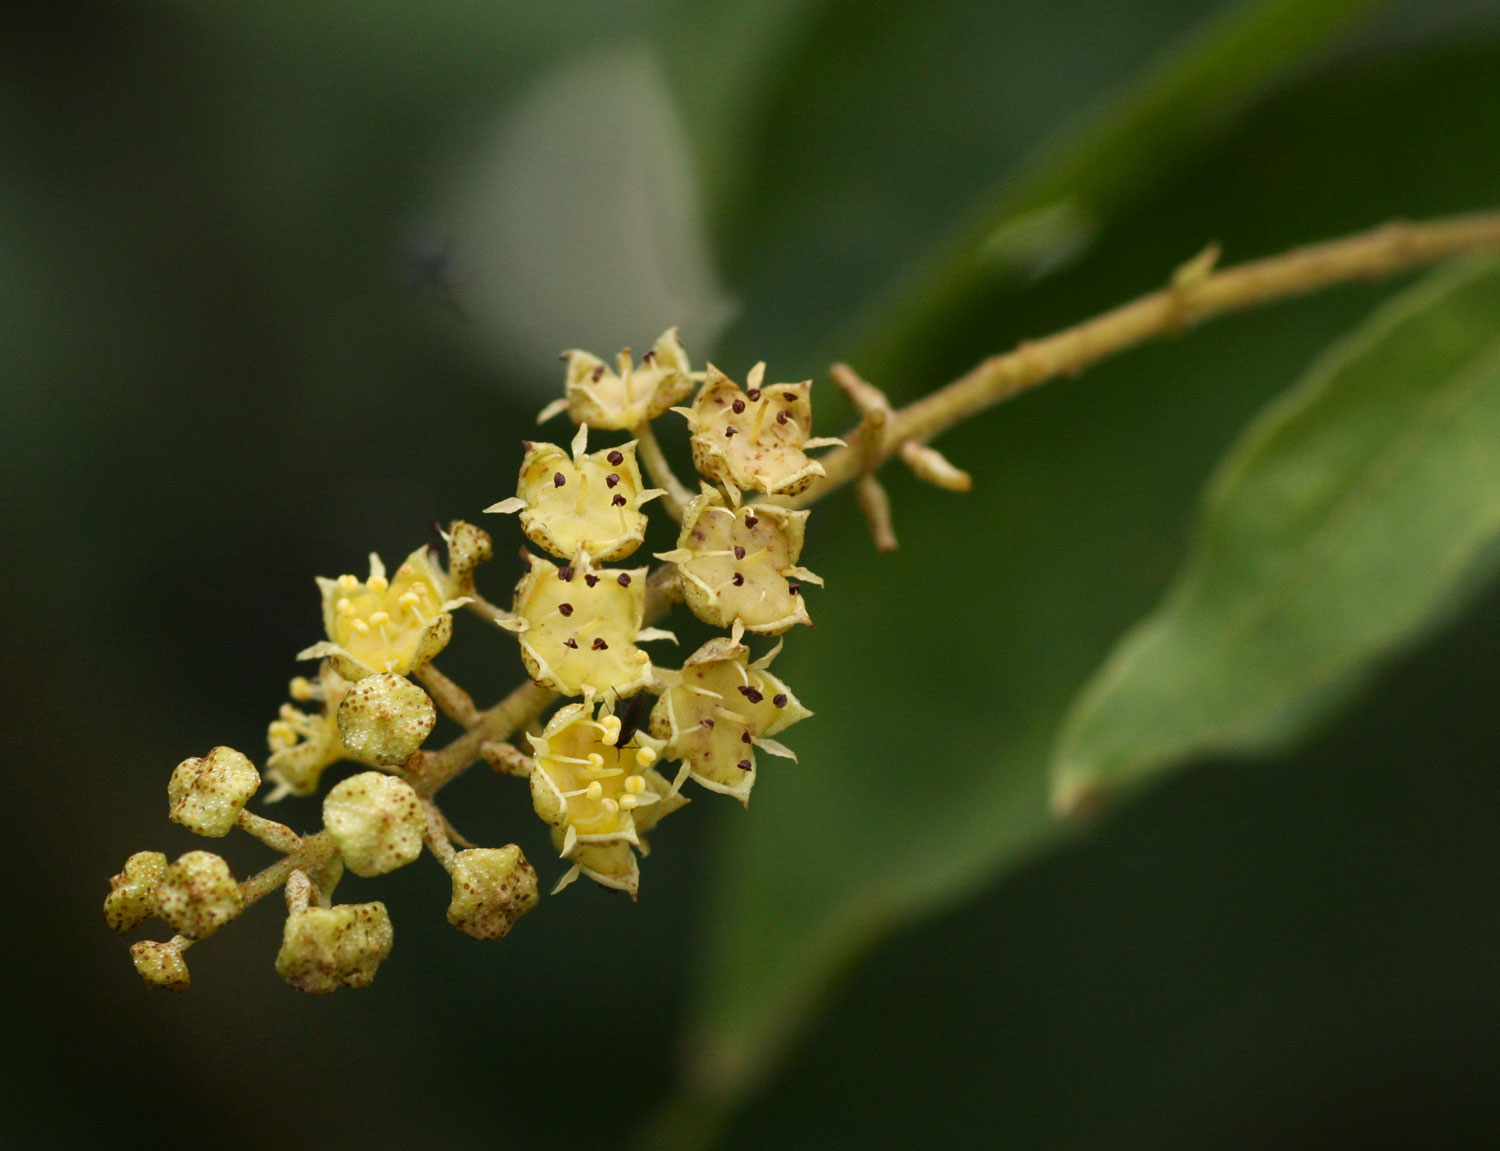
[587,502]
[735,564]
[597,795]
[626,398]
[754,440]
[380,624]
[579,627]
[718,709]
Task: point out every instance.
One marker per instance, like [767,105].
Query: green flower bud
[207,793]
[377,821]
[161,965]
[198,895]
[384,719]
[492,888]
[325,948]
[132,895]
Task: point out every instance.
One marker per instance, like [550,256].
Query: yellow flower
[597,796]
[629,397]
[379,624]
[754,440]
[579,627]
[735,564]
[586,502]
[302,745]
[718,709]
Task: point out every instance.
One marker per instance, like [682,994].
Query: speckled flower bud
[325,948]
[468,547]
[377,821]
[207,793]
[492,888]
[384,719]
[198,895]
[132,894]
[160,965]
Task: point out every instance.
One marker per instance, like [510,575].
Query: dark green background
[216,386]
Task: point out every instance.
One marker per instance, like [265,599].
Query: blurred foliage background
[283,283]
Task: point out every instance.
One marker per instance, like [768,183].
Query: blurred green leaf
[867,839]
[1335,532]
[1052,209]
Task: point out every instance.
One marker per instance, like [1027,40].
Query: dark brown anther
[750,693]
[738,406]
[623,579]
[597,374]
[708,723]
[753,393]
[648,357]
[789,397]
[565,574]
[738,579]
[611,480]
[729,431]
[739,552]
[618,501]
[782,416]
[600,645]
[751,521]
[566,609]
[591,579]
[779,699]
[616,458]
[743,765]
[570,642]
[558,480]
[744,737]
[794,588]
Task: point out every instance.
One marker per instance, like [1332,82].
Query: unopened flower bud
[197,895]
[377,821]
[325,948]
[207,793]
[132,895]
[492,888]
[384,719]
[468,547]
[160,965]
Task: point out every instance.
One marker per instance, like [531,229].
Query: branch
[1196,293]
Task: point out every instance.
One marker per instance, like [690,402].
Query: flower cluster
[599,766]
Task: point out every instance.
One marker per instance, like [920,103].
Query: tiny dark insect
[630,719]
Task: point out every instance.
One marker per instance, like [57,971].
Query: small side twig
[454,701]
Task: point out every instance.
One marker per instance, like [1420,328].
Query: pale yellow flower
[386,624]
[627,396]
[737,564]
[754,440]
[585,501]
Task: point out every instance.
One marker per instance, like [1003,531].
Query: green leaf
[892,817]
[1337,531]
[1052,209]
